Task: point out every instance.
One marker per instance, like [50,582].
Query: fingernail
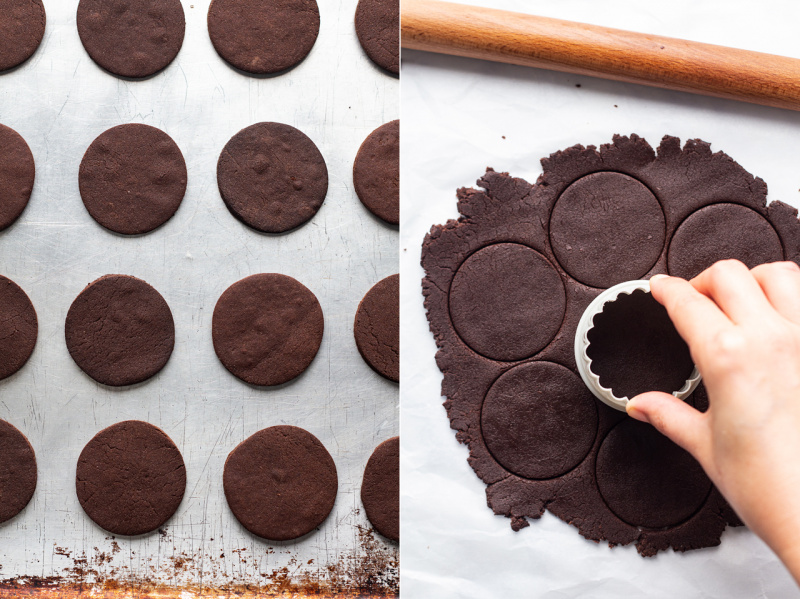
[635,413]
[658,277]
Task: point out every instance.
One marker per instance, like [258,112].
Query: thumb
[675,419]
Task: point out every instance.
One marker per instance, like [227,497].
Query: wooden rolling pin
[669,63]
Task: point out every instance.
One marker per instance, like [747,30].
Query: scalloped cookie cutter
[585,324]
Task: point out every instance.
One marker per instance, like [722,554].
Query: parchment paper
[462,115]
[59,101]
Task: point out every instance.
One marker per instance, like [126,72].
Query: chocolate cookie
[22,24]
[131,38]
[595,217]
[17,172]
[720,232]
[634,347]
[19,328]
[260,37]
[380,489]
[119,330]
[376,172]
[280,483]
[130,478]
[272,177]
[132,179]
[377,328]
[267,328]
[17,471]
[378,30]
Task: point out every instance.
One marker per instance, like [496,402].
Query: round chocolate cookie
[539,420]
[131,38]
[119,330]
[380,489]
[22,24]
[721,232]
[17,172]
[377,328]
[634,347]
[261,37]
[267,328]
[272,177]
[130,478]
[507,301]
[376,172]
[132,179]
[19,328]
[378,30]
[607,228]
[280,483]
[646,479]
[17,471]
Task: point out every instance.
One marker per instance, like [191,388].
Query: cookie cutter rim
[586,323]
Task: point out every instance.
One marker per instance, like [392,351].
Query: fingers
[734,289]
[780,282]
[675,419]
[696,317]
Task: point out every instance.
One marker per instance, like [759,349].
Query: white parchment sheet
[60,101]
[462,115]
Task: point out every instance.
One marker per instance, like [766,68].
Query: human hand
[743,330]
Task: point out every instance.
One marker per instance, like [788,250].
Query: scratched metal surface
[59,101]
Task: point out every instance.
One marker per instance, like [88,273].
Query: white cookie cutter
[586,323]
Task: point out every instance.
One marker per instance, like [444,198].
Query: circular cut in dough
[22,24]
[507,301]
[263,38]
[267,329]
[280,483]
[722,232]
[17,471]
[272,177]
[130,478]
[377,328]
[120,331]
[17,173]
[378,30]
[132,179]
[634,347]
[646,479]
[19,328]
[131,38]
[607,228]
[380,489]
[539,420]
[376,172]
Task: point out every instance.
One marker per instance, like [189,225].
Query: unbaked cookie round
[539,420]
[267,329]
[378,31]
[380,489]
[17,471]
[646,479]
[376,172]
[131,38]
[17,173]
[721,232]
[19,327]
[280,483]
[507,301]
[132,179]
[130,478]
[377,328]
[607,228]
[272,177]
[260,37]
[22,24]
[119,330]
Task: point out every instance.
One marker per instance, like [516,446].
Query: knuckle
[729,349]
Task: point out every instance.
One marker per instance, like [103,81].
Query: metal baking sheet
[59,101]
